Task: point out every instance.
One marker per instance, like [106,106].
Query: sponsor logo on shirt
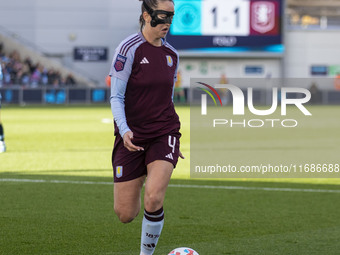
[120,63]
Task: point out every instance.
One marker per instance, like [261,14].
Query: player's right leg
[129,175]
[127,199]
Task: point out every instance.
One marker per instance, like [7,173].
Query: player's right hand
[128,137]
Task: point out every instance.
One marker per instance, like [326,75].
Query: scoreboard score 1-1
[227,25]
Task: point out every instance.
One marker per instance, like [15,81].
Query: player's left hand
[181,155]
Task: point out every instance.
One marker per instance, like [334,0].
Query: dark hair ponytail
[153,5]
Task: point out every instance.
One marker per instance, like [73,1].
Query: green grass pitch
[56,196]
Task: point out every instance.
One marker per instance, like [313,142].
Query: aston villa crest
[169,60]
[263,16]
[119,171]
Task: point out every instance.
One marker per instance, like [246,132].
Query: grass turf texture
[74,144]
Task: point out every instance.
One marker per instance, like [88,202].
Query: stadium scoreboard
[227,25]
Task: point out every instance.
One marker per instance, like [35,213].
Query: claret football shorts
[129,165]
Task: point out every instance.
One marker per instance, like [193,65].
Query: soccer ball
[183,251]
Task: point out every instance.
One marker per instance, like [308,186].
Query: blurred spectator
[337,81]
[70,80]
[315,93]
[224,91]
[179,93]
[28,61]
[26,73]
[44,77]
[36,76]
[23,76]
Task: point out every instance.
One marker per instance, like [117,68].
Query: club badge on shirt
[170,61]
[120,63]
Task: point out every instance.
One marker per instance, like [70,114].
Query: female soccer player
[2,137]
[147,127]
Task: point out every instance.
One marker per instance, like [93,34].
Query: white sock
[151,230]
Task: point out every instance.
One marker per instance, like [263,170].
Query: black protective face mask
[159,16]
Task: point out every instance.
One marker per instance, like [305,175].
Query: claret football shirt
[149,73]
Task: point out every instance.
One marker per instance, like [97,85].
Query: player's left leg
[2,137]
[159,174]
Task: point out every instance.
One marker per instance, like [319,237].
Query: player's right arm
[118,88]
[120,73]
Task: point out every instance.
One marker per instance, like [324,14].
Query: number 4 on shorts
[172,143]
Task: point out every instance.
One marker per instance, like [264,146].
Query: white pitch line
[255,188]
[179,186]
[56,181]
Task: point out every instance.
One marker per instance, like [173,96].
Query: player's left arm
[173,91]
[0,107]
[175,79]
